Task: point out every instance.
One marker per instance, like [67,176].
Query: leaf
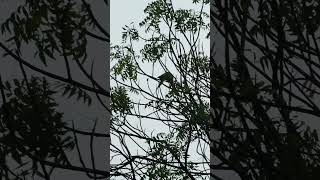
[66,90]
[315,135]
[264,62]
[8,85]
[16,82]
[49,53]
[254,30]
[16,157]
[74,90]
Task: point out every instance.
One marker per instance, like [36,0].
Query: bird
[165,77]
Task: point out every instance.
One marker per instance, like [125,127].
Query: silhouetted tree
[264,87]
[35,138]
[30,126]
[262,76]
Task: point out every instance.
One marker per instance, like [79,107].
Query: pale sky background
[132,11]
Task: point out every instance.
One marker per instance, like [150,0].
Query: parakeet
[166,77]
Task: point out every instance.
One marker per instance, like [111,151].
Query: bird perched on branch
[166,77]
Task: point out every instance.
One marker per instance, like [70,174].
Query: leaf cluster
[30,123]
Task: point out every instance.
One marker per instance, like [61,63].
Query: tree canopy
[264,88]
[161,72]
[253,100]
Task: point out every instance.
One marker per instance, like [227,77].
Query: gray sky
[81,114]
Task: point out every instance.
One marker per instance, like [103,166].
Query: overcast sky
[82,115]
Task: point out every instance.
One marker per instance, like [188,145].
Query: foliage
[170,81]
[35,138]
[30,123]
[263,82]
[53,26]
[262,89]
[70,91]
